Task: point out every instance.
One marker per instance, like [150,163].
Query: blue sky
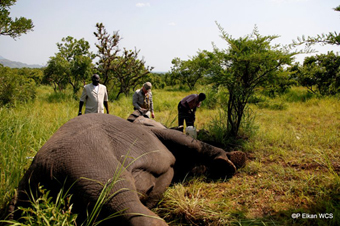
[164,29]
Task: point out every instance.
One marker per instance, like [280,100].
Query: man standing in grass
[95,96]
[142,100]
[187,109]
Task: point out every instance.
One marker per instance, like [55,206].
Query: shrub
[15,87]
[217,132]
[45,211]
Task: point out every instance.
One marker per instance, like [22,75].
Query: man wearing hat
[95,96]
[142,100]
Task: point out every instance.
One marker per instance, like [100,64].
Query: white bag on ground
[191,131]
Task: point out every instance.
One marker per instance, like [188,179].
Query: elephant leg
[150,186]
[124,200]
[162,183]
[144,182]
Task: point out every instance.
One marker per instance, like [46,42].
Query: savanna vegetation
[291,142]
[283,115]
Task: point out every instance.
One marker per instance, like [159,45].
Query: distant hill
[15,64]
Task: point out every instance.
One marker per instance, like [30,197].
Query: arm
[106,106]
[135,101]
[106,101]
[81,103]
[151,107]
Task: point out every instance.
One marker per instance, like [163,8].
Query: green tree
[191,71]
[321,72]
[13,27]
[246,64]
[107,52]
[36,74]
[129,70]
[332,38]
[123,71]
[15,87]
[56,72]
[73,63]
[279,83]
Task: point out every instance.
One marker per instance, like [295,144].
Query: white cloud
[172,24]
[142,4]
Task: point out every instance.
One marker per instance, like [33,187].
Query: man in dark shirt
[187,109]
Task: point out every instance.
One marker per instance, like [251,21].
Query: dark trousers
[185,114]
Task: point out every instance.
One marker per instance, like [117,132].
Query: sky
[165,29]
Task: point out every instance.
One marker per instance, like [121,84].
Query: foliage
[247,64]
[157,80]
[320,74]
[189,72]
[129,70]
[36,74]
[71,65]
[123,71]
[46,211]
[56,72]
[278,84]
[8,26]
[332,38]
[107,51]
[16,87]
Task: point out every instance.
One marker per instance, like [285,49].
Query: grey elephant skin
[90,148]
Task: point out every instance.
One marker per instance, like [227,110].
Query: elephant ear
[134,115]
[137,118]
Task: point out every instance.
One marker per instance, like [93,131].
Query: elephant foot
[222,167]
[238,158]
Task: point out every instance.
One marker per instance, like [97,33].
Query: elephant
[89,150]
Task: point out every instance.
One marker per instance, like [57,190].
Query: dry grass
[293,167]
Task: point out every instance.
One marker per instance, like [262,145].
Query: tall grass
[293,164]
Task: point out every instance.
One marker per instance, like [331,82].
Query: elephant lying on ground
[90,148]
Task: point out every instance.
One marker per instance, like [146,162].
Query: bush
[15,87]
[217,132]
[298,96]
[45,211]
[214,96]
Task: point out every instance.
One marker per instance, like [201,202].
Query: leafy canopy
[189,72]
[13,27]
[123,71]
[247,63]
[332,38]
[72,64]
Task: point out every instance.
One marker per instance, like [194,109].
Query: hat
[147,85]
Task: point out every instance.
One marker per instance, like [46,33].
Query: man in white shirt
[95,96]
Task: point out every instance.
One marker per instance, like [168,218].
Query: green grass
[293,166]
